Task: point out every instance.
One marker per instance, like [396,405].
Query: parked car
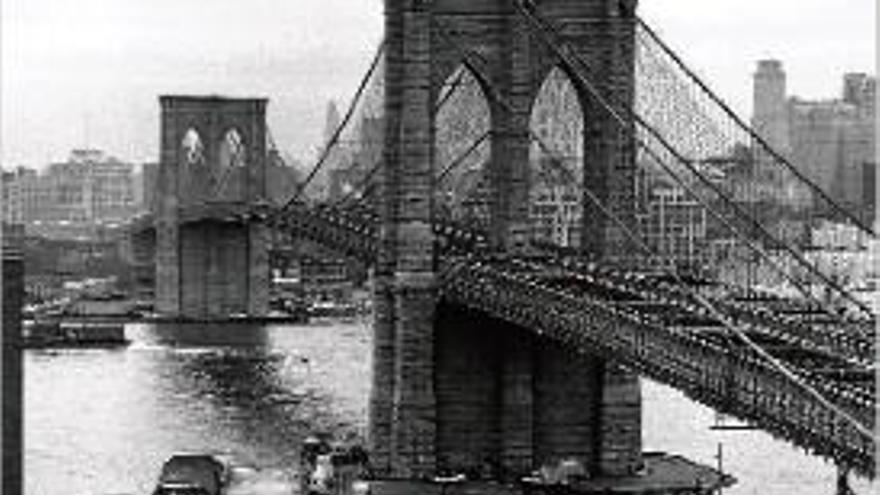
[192,474]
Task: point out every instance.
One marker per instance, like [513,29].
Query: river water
[102,421]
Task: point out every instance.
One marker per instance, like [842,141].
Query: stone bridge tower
[212,249]
[454,390]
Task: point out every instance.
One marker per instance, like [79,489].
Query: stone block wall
[209,268]
[453,389]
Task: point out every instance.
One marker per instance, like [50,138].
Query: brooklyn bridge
[496,342]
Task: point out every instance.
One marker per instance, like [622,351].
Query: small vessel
[57,333]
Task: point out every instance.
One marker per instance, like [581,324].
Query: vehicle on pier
[193,474]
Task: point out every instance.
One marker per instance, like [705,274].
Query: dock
[663,474]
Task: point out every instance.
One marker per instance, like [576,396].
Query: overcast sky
[77,72]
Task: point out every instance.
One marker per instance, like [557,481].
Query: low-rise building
[676,228]
[72,198]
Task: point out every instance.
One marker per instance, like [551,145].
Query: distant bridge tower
[212,251]
[454,390]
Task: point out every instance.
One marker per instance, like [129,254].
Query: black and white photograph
[425,247]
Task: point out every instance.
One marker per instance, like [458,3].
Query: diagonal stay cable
[717,314]
[451,90]
[709,306]
[547,33]
[446,171]
[342,125]
[462,157]
[507,107]
[366,181]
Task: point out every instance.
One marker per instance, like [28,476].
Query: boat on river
[73,333]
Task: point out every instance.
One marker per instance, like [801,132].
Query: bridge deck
[654,324]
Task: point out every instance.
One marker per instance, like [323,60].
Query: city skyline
[86,91]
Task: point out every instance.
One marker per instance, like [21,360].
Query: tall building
[770,116]
[144,185]
[676,227]
[27,196]
[830,141]
[336,155]
[12,202]
[352,172]
[331,121]
[92,187]
[88,190]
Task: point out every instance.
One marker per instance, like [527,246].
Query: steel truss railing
[702,364]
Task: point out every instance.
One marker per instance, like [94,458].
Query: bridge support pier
[212,256]
[455,390]
[472,394]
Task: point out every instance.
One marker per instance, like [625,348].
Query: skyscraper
[828,140]
[770,110]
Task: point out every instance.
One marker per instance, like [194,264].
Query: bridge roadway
[654,324]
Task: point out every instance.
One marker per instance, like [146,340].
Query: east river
[101,422]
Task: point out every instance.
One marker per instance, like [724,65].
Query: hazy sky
[78,72]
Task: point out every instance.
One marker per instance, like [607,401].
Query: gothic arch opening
[192,147]
[232,150]
[231,166]
[556,161]
[462,148]
[192,164]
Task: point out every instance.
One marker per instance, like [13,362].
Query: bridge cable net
[675,131]
[462,150]
[752,186]
[732,328]
[865,344]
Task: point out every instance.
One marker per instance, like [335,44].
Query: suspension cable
[338,132]
[546,32]
[451,90]
[711,308]
[463,156]
[723,319]
[366,181]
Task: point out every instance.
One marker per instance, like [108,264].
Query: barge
[78,333]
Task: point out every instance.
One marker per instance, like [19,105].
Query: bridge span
[495,346]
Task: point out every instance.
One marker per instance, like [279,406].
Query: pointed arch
[192,165]
[229,175]
[462,145]
[232,151]
[192,147]
[556,161]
